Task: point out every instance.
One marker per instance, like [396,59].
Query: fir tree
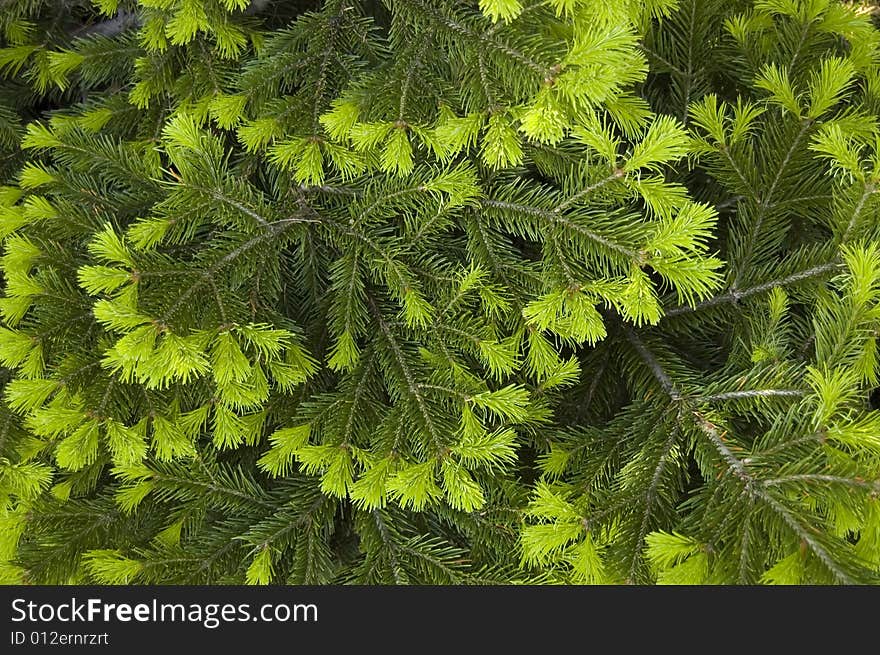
[439,291]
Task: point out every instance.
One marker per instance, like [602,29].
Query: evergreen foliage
[439,291]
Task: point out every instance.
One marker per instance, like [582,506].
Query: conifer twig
[752,485]
[736,295]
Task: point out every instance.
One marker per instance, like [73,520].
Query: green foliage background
[439,291]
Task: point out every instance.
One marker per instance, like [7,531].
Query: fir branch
[755,487]
[121,22]
[485,40]
[408,375]
[275,229]
[753,393]
[649,499]
[764,205]
[559,218]
[870,190]
[736,295]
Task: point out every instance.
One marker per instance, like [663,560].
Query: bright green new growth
[439,292]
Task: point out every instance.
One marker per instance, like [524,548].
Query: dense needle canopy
[439,291]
